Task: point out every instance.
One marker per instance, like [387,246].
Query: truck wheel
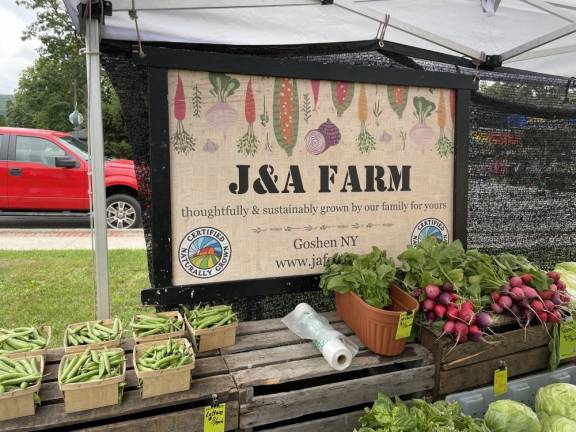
[123,212]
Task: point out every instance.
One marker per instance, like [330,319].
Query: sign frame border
[159,61]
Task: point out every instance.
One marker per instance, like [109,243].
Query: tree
[45,94]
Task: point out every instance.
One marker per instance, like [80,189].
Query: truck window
[38,150]
[3,147]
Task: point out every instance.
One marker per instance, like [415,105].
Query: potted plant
[367,298]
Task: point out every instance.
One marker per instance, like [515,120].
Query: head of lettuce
[556,400]
[511,416]
[558,424]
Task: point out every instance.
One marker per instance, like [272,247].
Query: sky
[15,54]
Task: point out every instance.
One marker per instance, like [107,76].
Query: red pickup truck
[44,172]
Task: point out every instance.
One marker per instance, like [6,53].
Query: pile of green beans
[210,316]
[18,374]
[21,339]
[165,356]
[92,332]
[148,325]
[92,365]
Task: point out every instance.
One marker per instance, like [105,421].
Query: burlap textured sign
[271,176]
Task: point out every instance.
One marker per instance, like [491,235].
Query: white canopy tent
[534,35]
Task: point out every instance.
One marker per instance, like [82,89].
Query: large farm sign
[271,176]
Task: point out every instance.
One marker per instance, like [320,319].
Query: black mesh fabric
[522,161]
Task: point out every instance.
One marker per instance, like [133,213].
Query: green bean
[92,365]
[92,332]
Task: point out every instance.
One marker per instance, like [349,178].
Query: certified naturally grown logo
[204,252]
[429,227]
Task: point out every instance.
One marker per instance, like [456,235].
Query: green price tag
[567,340]
[215,418]
[500,381]
[404,325]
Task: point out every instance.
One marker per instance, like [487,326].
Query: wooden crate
[472,364]
[285,384]
[177,412]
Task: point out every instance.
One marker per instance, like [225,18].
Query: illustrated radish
[182,141]
[221,115]
[315,84]
[421,133]
[248,144]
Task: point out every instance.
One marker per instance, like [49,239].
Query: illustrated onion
[331,133]
[315,142]
[385,137]
[210,146]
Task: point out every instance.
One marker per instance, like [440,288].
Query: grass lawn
[56,287]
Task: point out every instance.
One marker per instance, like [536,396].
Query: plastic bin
[475,402]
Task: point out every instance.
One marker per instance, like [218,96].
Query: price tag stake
[501,380]
[404,325]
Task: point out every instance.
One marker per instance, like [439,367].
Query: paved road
[48,239]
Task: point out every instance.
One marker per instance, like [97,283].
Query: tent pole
[543,53]
[96,146]
[538,42]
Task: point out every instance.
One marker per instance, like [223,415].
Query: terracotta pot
[376,328]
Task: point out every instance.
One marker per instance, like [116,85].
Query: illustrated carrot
[315,84]
[362,105]
[365,140]
[248,143]
[179,101]
[285,113]
[453,105]
[249,104]
[441,111]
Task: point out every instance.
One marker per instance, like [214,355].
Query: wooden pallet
[286,385]
[176,412]
[472,364]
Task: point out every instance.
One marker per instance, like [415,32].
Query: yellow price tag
[404,325]
[567,340]
[215,418]
[500,381]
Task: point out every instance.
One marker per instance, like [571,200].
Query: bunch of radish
[460,319]
[525,303]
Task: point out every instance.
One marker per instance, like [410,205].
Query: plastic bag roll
[334,346]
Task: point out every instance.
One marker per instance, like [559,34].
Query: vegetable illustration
[421,133]
[285,112]
[221,115]
[196,102]
[365,140]
[210,146]
[306,107]
[377,111]
[444,146]
[385,137]
[315,142]
[398,98]
[315,84]
[331,133]
[342,94]
[182,141]
[248,144]
[453,106]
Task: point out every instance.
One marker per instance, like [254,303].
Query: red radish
[467,315]
[417,292]
[505,289]
[505,302]
[483,319]
[440,311]
[549,306]
[475,333]
[515,281]
[430,315]
[496,308]
[463,339]
[444,299]
[561,286]
[449,327]
[428,304]
[515,309]
[553,287]
[554,276]
[432,291]
[453,297]
[537,306]
[547,295]
[543,316]
[447,287]
[517,294]
[452,312]
[495,296]
[530,292]
[461,332]
[554,317]
[526,278]
[468,305]
[564,296]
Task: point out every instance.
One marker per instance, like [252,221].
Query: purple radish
[448,287]
[430,315]
[445,299]
[483,319]
[505,289]
[417,292]
[515,309]
[557,300]
[474,333]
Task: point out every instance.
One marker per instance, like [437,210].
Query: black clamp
[215,400]
[327,2]
[492,61]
